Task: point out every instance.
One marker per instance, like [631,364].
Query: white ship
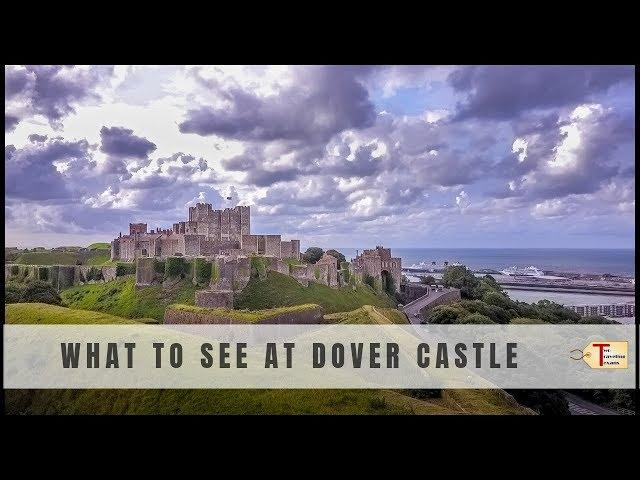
[524,272]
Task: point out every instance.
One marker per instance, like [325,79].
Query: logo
[605,354]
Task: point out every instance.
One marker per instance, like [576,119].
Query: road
[411,308]
[579,406]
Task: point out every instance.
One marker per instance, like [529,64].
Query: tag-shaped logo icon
[606,354]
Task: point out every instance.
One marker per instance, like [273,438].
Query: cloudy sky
[405,156]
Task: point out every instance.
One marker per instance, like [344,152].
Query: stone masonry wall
[272,246]
[214,298]
[145,272]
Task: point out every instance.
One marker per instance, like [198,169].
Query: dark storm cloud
[10,122]
[503,92]
[259,161]
[35,138]
[50,90]
[31,174]
[321,102]
[604,152]
[121,142]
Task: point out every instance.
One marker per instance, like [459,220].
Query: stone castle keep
[207,233]
[378,264]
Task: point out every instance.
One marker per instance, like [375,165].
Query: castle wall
[250,244]
[192,245]
[220,232]
[277,265]
[286,249]
[299,272]
[272,246]
[245,220]
[330,276]
[234,224]
[214,298]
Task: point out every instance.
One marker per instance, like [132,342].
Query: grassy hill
[120,297]
[45,314]
[369,315]
[241,401]
[49,257]
[100,246]
[279,290]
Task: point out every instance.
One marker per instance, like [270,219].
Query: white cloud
[520,147]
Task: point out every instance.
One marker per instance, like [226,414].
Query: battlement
[206,232]
[137,228]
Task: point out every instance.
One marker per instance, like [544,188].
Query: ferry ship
[522,272]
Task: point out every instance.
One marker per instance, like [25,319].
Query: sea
[577,260]
[594,261]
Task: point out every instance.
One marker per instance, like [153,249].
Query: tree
[428,280]
[545,402]
[334,253]
[446,314]
[312,255]
[461,277]
[475,318]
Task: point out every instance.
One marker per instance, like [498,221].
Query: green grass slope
[191,401]
[48,257]
[279,290]
[100,246]
[45,314]
[369,315]
[90,304]
[244,316]
[121,298]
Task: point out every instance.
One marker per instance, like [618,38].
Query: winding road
[414,307]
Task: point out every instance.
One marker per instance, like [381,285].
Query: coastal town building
[206,233]
[613,310]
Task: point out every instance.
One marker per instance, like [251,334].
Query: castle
[207,233]
[377,263]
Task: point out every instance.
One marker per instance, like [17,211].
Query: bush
[389,285]
[369,280]
[175,267]
[498,299]
[445,314]
[94,273]
[258,267]
[33,291]
[15,270]
[125,268]
[13,292]
[202,270]
[158,266]
[428,280]
[475,318]
[43,273]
